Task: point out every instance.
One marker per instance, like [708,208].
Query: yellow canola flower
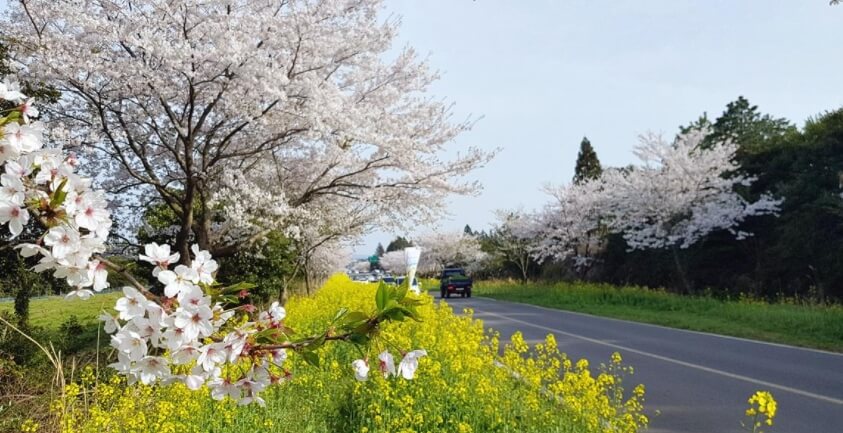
[465,384]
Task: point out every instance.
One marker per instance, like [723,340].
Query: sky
[543,74]
[540,74]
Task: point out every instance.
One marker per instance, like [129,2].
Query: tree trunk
[680,271]
[524,265]
[186,229]
[307,275]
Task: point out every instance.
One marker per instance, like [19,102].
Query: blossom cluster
[386,364]
[187,326]
[42,183]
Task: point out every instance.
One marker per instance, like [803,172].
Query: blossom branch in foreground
[186,334]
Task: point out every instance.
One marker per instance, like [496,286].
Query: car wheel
[442,294]
[468,294]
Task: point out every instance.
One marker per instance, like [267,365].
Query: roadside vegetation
[795,321]
[465,384]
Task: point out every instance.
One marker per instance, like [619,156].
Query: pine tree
[379,251]
[588,166]
[467,230]
[398,244]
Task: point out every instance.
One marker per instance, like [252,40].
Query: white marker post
[411,255]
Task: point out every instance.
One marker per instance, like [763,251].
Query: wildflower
[408,366]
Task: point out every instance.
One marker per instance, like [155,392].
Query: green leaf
[359,339]
[59,195]
[340,313]
[310,358]
[353,317]
[382,296]
[401,292]
[236,288]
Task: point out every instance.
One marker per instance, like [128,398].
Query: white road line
[674,361]
[652,325]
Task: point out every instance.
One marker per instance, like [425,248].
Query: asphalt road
[695,382]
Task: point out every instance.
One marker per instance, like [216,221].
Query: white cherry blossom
[386,364]
[361,369]
[130,343]
[159,255]
[15,215]
[408,366]
[23,138]
[11,189]
[152,368]
[178,281]
[204,265]
[132,304]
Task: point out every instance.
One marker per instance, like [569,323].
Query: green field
[49,313]
[788,322]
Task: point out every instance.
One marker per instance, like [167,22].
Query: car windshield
[453,273]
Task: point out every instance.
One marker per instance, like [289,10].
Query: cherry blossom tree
[443,249]
[680,193]
[196,328]
[395,262]
[242,115]
[574,223]
[514,238]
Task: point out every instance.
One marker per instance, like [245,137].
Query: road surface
[695,382]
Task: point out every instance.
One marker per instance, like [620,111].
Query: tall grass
[786,321]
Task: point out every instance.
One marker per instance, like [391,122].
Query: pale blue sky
[544,73]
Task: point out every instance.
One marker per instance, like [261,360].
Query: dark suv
[455,280]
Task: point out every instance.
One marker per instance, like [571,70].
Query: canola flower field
[467,383]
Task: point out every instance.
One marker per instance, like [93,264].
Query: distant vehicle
[415,286]
[388,279]
[455,280]
[364,278]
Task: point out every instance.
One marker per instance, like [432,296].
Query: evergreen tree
[588,166]
[379,251]
[741,122]
[398,244]
[467,230]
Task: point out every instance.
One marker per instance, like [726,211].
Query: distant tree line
[796,252]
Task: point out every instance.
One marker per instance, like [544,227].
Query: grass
[49,313]
[787,321]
